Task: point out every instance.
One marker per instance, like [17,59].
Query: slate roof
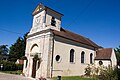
[104,54]
[74,37]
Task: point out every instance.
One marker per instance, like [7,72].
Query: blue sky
[98,20]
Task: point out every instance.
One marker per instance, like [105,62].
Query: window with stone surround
[72,55]
[82,57]
[91,58]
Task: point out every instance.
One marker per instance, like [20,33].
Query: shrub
[101,72]
[10,66]
[88,70]
[19,66]
[108,73]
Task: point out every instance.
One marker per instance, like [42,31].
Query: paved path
[4,76]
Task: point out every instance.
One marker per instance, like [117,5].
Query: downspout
[52,55]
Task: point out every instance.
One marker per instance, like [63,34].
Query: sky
[98,20]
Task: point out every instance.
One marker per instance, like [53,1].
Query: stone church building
[52,50]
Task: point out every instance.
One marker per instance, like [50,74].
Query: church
[52,50]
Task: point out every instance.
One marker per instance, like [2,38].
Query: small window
[83,57]
[91,58]
[53,22]
[100,63]
[72,55]
[57,58]
[26,63]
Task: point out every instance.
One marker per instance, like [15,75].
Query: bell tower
[40,41]
[45,18]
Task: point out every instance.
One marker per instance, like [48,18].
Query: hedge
[10,66]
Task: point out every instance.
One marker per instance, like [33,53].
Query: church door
[34,68]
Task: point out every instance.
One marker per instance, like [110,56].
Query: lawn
[18,72]
[72,78]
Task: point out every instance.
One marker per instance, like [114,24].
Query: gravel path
[4,76]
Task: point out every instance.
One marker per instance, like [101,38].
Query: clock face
[37,20]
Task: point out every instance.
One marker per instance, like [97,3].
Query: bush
[108,73]
[10,66]
[102,73]
[19,67]
[88,70]
[91,70]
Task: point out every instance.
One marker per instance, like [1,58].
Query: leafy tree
[3,52]
[117,51]
[3,49]
[17,50]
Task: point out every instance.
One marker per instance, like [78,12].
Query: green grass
[18,72]
[72,78]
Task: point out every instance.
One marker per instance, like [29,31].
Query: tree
[117,51]
[3,49]
[3,52]
[17,50]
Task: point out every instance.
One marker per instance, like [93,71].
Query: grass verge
[18,72]
[72,78]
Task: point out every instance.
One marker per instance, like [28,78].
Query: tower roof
[42,7]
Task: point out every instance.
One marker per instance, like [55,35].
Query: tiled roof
[103,54]
[75,37]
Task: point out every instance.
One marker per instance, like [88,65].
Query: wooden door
[34,68]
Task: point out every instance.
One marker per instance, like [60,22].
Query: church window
[83,57]
[57,58]
[26,63]
[91,58]
[100,63]
[53,22]
[72,55]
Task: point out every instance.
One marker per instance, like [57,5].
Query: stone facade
[59,52]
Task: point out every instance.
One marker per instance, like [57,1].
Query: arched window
[34,49]
[72,55]
[53,22]
[83,57]
[26,63]
[91,58]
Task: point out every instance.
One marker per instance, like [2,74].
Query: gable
[38,9]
